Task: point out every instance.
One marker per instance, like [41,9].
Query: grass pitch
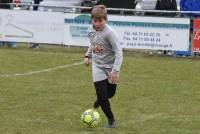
[156,95]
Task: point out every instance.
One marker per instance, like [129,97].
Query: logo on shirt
[98,48]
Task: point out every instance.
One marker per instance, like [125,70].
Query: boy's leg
[110,93]
[102,97]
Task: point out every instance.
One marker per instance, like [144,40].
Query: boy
[107,56]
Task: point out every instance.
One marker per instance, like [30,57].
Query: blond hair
[99,12]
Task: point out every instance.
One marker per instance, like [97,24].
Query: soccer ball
[90,118]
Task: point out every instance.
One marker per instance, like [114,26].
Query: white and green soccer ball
[90,118]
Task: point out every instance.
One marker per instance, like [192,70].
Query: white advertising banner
[157,33]
[32,26]
[76,26]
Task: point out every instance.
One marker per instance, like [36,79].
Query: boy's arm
[114,42]
[87,57]
[90,32]
[88,54]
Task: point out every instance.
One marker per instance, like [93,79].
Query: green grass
[156,95]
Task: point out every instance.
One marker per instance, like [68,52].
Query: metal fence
[121,11]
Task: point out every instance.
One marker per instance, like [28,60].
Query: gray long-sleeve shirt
[110,54]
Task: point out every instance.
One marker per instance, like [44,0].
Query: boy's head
[99,12]
[99,16]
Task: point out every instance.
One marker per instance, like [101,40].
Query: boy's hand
[86,61]
[113,77]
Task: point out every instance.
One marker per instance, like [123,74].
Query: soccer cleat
[96,104]
[111,124]
[35,46]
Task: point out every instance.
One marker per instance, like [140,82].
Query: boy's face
[98,23]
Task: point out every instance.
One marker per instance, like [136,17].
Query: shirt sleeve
[113,40]
[90,35]
[89,52]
